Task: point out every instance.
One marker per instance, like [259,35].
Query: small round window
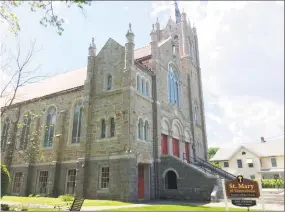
[243,153]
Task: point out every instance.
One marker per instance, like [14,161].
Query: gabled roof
[267,149]
[62,82]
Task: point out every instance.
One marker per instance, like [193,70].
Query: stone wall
[192,184]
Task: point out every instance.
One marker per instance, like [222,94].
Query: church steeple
[177,13]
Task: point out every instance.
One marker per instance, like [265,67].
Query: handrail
[211,167]
[216,168]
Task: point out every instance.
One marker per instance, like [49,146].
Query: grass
[43,209]
[59,202]
[177,208]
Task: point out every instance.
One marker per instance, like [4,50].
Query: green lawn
[59,202]
[177,208]
[43,209]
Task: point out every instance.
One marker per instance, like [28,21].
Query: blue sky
[241,49]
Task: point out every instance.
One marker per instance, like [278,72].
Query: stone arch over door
[165,126]
[170,177]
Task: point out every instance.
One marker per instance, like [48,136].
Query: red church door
[187,154]
[140,182]
[164,144]
[175,146]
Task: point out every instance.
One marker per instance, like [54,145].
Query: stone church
[130,126]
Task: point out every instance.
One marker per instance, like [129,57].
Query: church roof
[62,82]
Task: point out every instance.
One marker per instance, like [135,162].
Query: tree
[211,154]
[50,18]
[5,180]
[17,67]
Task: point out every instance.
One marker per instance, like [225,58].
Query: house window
[104,177]
[109,82]
[171,180]
[261,164]
[243,153]
[42,182]
[250,163]
[147,88]
[146,131]
[17,182]
[25,132]
[273,162]
[112,127]
[103,128]
[138,83]
[239,163]
[173,85]
[4,137]
[140,129]
[70,181]
[50,127]
[226,164]
[252,177]
[77,119]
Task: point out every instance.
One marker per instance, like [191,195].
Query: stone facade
[126,162]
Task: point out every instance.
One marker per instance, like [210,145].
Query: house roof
[267,149]
[61,82]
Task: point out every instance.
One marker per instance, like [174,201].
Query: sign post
[242,191]
[225,195]
[261,195]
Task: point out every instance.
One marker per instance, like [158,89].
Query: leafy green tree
[7,14]
[211,153]
[5,180]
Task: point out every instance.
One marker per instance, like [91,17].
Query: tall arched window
[77,119]
[103,128]
[138,83]
[109,82]
[146,131]
[147,88]
[196,114]
[50,126]
[143,86]
[140,129]
[173,85]
[112,127]
[4,134]
[25,131]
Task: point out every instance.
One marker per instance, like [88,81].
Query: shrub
[24,208]
[67,197]
[5,180]
[38,195]
[5,207]
[272,183]
[31,195]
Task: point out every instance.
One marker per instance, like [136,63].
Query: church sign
[242,188]
[243,202]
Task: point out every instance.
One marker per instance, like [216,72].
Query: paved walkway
[271,207]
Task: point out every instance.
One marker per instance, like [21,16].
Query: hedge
[272,183]
[5,180]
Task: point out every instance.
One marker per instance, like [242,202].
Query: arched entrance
[170,180]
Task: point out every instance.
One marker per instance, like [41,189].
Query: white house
[253,160]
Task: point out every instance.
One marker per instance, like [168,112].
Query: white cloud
[241,52]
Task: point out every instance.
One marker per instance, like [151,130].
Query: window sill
[145,141]
[144,96]
[103,190]
[106,139]
[73,144]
